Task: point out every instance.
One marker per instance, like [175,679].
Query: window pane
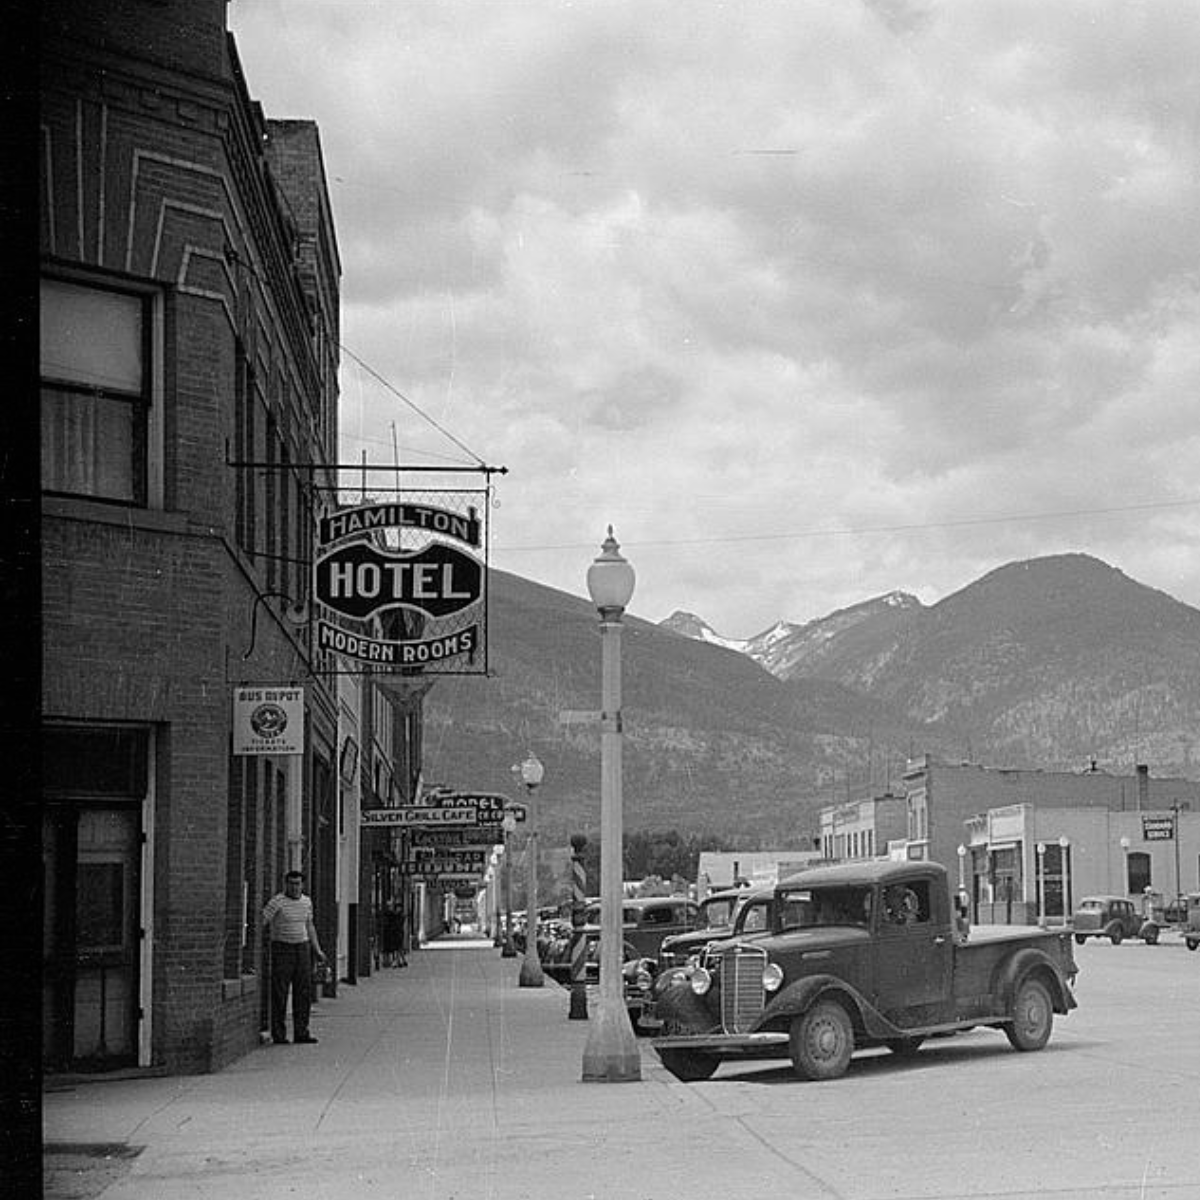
[95,761]
[90,445]
[92,337]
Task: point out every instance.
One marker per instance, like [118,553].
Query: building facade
[860,829]
[189,353]
[1027,845]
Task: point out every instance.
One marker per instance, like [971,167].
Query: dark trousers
[291,967]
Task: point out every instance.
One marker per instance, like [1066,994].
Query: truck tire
[821,1041]
[1032,1016]
[1080,939]
[1193,944]
[1116,935]
[689,1066]
[1150,935]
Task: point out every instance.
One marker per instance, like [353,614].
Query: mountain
[790,650]
[687,624]
[1044,663]
[713,742]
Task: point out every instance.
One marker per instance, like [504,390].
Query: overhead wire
[908,527]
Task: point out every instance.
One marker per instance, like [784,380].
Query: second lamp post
[532,773]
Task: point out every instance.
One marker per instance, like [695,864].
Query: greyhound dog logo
[268,720]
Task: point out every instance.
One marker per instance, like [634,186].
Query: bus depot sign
[411,557]
[268,720]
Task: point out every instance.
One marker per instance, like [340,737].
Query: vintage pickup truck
[860,955]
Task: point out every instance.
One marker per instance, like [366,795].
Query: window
[96,379]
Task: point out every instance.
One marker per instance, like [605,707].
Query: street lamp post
[1125,843]
[611,1054]
[1041,882]
[1175,810]
[508,824]
[532,773]
[1064,847]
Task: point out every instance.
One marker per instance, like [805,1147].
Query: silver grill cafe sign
[355,577]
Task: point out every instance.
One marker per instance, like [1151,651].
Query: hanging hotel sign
[268,720]
[403,583]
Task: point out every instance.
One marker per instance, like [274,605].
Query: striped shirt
[288,918]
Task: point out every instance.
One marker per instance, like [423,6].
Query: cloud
[806,297]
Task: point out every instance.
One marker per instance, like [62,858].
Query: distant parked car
[1191,930]
[1112,917]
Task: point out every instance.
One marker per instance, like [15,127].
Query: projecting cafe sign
[401,567]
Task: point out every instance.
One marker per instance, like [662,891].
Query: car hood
[818,937]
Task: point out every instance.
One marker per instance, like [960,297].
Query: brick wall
[154,174]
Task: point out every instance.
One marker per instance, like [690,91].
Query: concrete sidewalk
[441,1080]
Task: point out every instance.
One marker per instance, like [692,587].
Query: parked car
[1112,917]
[716,918]
[647,921]
[1191,928]
[750,910]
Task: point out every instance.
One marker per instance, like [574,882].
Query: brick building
[189,317]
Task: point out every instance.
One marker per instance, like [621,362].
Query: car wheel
[1032,1016]
[1151,936]
[905,1047]
[1116,936]
[1079,939]
[1193,944]
[821,1041]
[689,1066]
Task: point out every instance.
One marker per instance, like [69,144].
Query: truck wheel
[1193,944]
[1150,935]
[821,1041]
[689,1066]
[1079,939]
[1032,1016]
[904,1047]
[1116,936]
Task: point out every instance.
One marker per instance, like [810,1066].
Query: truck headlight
[701,981]
[772,977]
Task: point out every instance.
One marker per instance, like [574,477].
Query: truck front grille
[741,969]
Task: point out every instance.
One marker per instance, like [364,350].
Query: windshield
[804,908]
[718,912]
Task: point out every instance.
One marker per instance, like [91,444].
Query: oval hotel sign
[358,577]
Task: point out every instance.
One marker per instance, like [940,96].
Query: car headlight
[701,981]
[645,981]
[772,977]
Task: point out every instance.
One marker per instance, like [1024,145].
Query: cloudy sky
[810,300]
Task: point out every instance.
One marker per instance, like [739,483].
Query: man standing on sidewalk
[288,917]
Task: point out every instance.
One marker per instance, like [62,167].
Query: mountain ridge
[1046,664]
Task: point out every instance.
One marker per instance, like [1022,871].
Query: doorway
[95,782]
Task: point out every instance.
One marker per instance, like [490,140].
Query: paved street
[446,1081]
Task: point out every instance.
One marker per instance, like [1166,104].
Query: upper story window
[99,421]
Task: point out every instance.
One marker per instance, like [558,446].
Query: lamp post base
[531,972]
[611,1054]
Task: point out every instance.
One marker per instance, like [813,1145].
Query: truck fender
[1015,969]
[681,1010]
[800,996]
